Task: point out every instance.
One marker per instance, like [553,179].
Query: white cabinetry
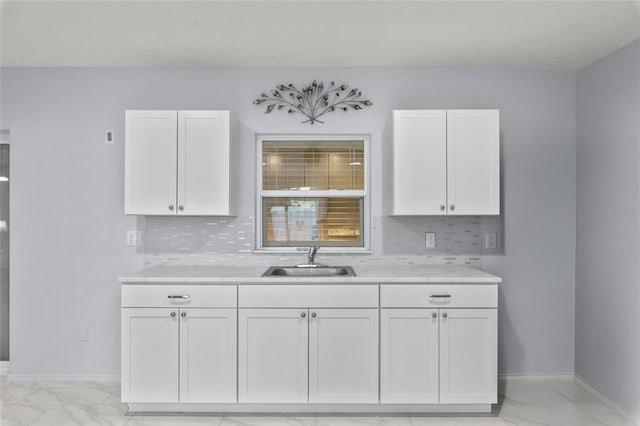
[176,351]
[446,162]
[310,347]
[468,356]
[207,355]
[149,355]
[443,353]
[304,354]
[273,352]
[179,162]
[409,356]
[343,356]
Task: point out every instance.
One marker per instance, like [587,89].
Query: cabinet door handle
[181,208]
[442,207]
[452,207]
[172,314]
[303,315]
[183,314]
[444,315]
[440,296]
[171,207]
[434,315]
[313,314]
[183,297]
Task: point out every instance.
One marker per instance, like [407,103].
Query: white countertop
[413,274]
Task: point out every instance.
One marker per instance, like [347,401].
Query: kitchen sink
[306,271]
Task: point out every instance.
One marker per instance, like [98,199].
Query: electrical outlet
[490,240]
[134,238]
[430,239]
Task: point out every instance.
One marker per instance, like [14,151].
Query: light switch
[109,137]
[430,238]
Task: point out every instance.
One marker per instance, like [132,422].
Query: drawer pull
[182,297]
[440,296]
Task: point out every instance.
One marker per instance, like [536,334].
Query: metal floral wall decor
[313,100]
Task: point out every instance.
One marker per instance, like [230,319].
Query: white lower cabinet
[380,348]
[468,356]
[308,355]
[343,356]
[149,355]
[409,356]
[273,352]
[178,355]
[446,356]
[207,355]
[439,343]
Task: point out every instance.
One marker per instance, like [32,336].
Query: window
[313,190]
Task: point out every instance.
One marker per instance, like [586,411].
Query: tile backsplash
[229,241]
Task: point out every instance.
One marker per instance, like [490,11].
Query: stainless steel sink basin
[320,271]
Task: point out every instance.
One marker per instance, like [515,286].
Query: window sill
[323,250]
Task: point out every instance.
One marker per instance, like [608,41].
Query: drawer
[195,296]
[308,295]
[438,295]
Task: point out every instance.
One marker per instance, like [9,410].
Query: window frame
[365,193]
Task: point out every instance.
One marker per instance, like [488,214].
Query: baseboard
[568,375]
[69,378]
[605,399]
[4,368]
[483,410]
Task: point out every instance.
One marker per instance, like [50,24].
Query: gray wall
[608,226]
[4,254]
[67,198]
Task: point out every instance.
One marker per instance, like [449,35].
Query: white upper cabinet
[151,151]
[473,162]
[446,162]
[419,162]
[179,162]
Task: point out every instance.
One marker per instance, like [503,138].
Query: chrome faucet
[311,259]
[311,255]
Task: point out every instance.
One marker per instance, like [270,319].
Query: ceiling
[553,35]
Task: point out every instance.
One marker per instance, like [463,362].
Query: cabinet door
[468,356]
[343,356]
[203,162]
[150,162]
[419,162]
[409,356]
[473,162]
[207,355]
[273,355]
[149,355]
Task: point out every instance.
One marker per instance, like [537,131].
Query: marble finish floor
[555,401]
